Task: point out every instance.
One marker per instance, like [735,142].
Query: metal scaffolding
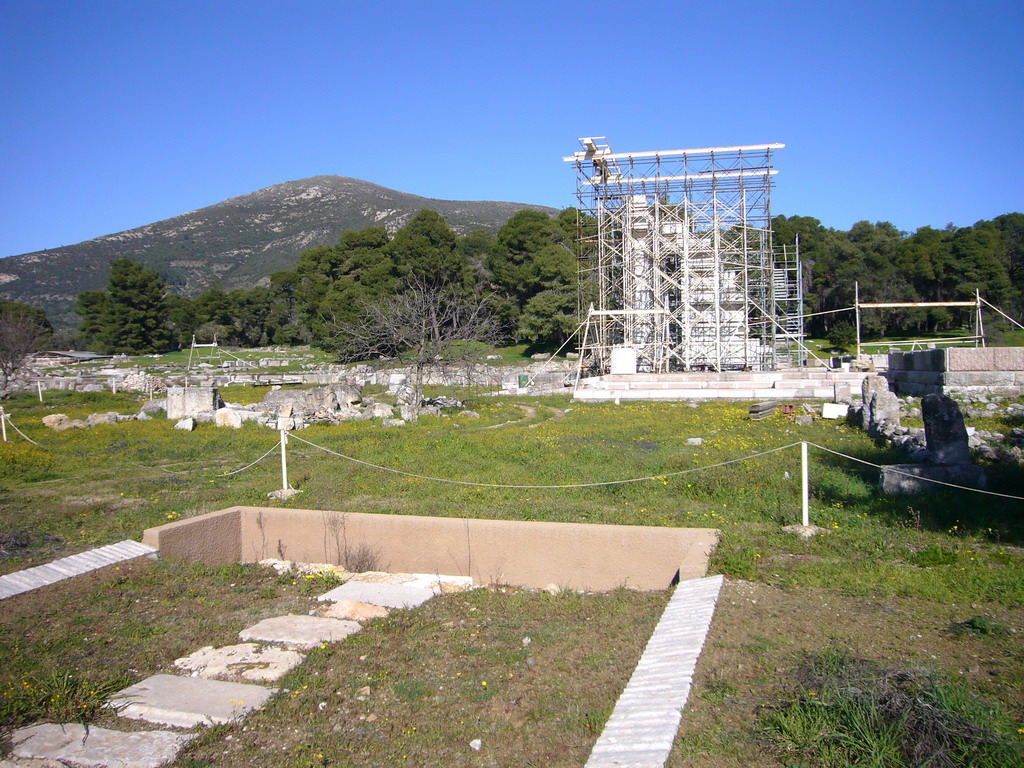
[677,265]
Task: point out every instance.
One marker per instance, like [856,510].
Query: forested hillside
[526,276]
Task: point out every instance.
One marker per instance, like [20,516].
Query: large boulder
[378,411]
[94,419]
[57,421]
[153,407]
[228,417]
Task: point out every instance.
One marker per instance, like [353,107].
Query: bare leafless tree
[20,336]
[424,327]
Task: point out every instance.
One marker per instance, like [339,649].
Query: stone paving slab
[97,747]
[352,610]
[437,583]
[75,565]
[643,725]
[246,661]
[387,595]
[188,701]
[299,631]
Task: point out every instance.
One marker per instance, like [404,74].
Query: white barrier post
[804,485]
[39,387]
[3,424]
[284,462]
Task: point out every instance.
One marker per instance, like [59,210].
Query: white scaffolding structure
[677,265]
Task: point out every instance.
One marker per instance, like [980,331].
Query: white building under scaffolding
[678,272]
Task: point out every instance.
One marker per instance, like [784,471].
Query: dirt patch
[761,633]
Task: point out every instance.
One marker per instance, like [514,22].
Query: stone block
[191,401]
[246,661]
[905,479]
[94,747]
[353,610]
[185,702]
[976,378]
[228,417]
[379,411]
[969,359]
[1008,358]
[944,430]
[186,424]
[154,406]
[834,410]
[386,595]
[299,631]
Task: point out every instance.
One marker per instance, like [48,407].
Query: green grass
[90,487]
[67,647]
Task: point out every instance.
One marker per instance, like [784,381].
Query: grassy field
[885,585]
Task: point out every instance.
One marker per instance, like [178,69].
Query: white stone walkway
[643,725]
[75,565]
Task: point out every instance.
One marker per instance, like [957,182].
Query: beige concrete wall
[214,538]
[523,553]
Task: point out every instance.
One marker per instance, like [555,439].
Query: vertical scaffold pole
[804,485]
[856,308]
[284,461]
[979,325]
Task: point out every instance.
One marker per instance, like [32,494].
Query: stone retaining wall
[522,553]
[958,371]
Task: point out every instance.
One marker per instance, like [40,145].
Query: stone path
[643,725]
[639,733]
[218,687]
[94,559]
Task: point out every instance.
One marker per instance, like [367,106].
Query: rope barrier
[276,445]
[917,477]
[254,463]
[10,423]
[604,483]
[538,487]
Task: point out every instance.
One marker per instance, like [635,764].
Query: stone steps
[787,393]
[75,565]
[199,699]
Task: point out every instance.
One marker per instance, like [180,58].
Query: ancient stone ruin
[947,458]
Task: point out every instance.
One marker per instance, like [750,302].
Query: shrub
[848,711]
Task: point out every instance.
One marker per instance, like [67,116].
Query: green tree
[331,283]
[132,317]
[426,251]
[533,269]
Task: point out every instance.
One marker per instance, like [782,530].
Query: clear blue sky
[117,113]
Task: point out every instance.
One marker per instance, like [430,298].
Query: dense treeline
[526,274]
[929,265]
